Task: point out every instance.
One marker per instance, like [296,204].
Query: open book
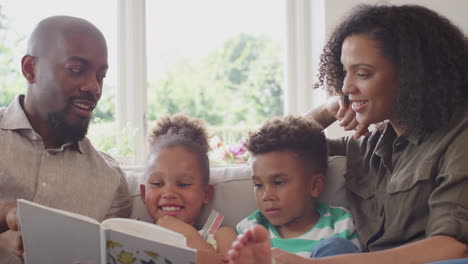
[56,236]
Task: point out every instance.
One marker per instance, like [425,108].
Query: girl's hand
[177,225]
[194,239]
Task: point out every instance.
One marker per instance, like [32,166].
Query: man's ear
[209,194]
[143,191]
[28,66]
[317,184]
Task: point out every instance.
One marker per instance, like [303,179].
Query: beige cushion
[234,197]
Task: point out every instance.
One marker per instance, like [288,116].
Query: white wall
[454,10]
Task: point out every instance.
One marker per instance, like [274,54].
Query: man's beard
[64,131]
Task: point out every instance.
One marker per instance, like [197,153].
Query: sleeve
[337,146]
[353,234]
[248,222]
[122,204]
[448,203]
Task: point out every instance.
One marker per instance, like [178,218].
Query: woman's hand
[339,107]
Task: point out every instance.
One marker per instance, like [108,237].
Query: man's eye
[279,182]
[258,185]
[75,70]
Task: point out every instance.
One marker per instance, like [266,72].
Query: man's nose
[92,85]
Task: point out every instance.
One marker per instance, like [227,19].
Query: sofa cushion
[234,196]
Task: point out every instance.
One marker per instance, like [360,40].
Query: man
[45,156]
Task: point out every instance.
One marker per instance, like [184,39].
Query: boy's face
[174,185]
[284,191]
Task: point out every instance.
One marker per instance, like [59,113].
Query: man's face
[69,83]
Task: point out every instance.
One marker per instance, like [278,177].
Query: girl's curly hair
[291,133]
[429,53]
[182,130]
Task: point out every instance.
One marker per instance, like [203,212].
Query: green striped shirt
[333,221]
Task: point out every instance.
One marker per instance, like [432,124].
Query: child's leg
[334,246]
[251,247]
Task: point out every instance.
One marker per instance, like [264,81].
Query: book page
[55,236]
[133,241]
[145,230]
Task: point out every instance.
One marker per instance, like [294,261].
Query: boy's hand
[177,225]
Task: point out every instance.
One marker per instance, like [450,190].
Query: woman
[406,69]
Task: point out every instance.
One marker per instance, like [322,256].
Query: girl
[177,183]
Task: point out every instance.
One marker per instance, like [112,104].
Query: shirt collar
[386,138]
[389,135]
[14,118]
[414,139]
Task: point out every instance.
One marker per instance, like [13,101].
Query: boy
[289,159]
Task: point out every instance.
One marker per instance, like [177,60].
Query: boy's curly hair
[429,53]
[182,130]
[292,133]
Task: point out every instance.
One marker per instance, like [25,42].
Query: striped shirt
[333,221]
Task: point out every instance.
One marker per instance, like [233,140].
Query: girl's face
[371,81]
[174,185]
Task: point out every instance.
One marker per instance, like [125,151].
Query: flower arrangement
[228,154]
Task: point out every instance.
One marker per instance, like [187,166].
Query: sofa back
[234,196]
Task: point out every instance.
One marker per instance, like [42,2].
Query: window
[232,63]
[221,61]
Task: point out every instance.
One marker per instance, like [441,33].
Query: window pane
[19,17]
[221,61]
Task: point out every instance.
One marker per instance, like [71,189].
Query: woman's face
[370,81]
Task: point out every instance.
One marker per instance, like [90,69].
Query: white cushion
[234,197]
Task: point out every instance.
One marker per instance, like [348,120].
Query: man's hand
[12,218]
[8,217]
[9,221]
[18,243]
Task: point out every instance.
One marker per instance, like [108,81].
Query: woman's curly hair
[429,53]
[182,130]
[291,133]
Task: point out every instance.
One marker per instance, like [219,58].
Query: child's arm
[224,238]
[194,239]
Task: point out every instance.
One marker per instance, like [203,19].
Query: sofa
[234,196]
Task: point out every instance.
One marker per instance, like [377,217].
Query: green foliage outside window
[238,84]
[11,82]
